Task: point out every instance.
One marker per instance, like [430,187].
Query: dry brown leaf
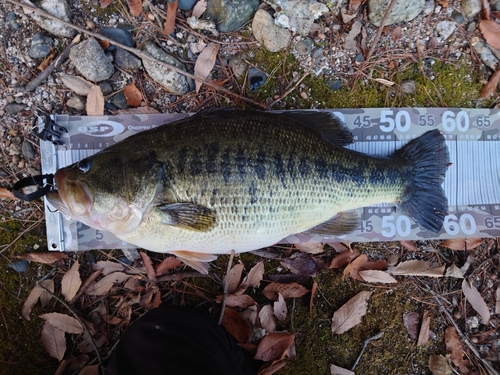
[476,300]
[272,367]
[274,346]
[87,283]
[71,282]
[376,276]
[104,3]
[350,314]
[491,86]
[133,95]
[350,42]
[411,321]
[107,267]
[135,7]
[313,293]
[491,32]
[243,301]
[235,325]
[95,102]
[37,293]
[89,370]
[6,193]
[205,63]
[234,277]
[287,290]
[44,258]
[254,277]
[266,318]
[497,304]
[310,248]
[439,365]
[150,271]
[347,16]
[46,62]
[423,336]
[354,5]
[418,268]
[335,370]
[303,264]
[54,341]
[454,271]
[455,349]
[397,33]
[353,267]
[280,309]
[459,244]
[409,245]
[344,258]
[167,264]
[199,8]
[76,84]
[63,322]
[169,26]
[106,283]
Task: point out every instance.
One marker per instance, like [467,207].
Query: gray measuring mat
[472,182]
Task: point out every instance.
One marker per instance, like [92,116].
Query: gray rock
[119,34]
[59,9]
[19,266]
[119,100]
[90,60]
[172,81]
[471,8]
[495,4]
[408,87]
[11,17]
[403,10]
[229,15]
[297,15]
[304,46]
[484,52]
[238,64]
[458,17]
[270,35]
[256,78]
[186,4]
[27,149]
[41,45]
[126,60]
[76,102]
[445,28]
[12,108]
[106,88]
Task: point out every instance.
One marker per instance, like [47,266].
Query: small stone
[445,28]
[409,87]
[304,46]
[90,24]
[119,100]
[471,8]
[19,266]
[402,11]
[21,163]
[271,36]
[484,52]
[238,66]
[41,46]
[303,95]
[27,149]
[229,15]
[359,58]
[126,60]
[471,26]
[59,9]
[12,108]
[11,17]
[458,17]
[334,85]
[105,88]
[76,102]
[256,78]
[118,34]
[90,60]
[297,15]
[16,159]
[186,4]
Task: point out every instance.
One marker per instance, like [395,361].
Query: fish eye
[84,165]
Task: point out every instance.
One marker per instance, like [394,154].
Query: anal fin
[342,223]
[197,261]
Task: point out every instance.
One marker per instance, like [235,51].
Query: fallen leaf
[148,264]
[44,258]
[418,268]
[455,349]
[344,258]
[76,84]
[205,63]
[133,95]
[411,321]
[106,283]
[266,318]
[409,245]
[384,82]
[280,309]
[375,276]
[497,304]
[491,32]
[63,322]
[135,7]
[234,277]
[303,264]
[254,277]
[169,26]
[6,194]
[439,365]
[235,325]
[243,301]
[287,290]
[347,16]
[454,271]
[54,341]
[250,315]
[354,5]
[353,267]
[46,62]
[37,293]
[396,34]
[95,102]
[87,283]
[272,367]
[423,336]
[350,314]
[104,3]
[350,42]
[335,370]
[476,300]
[71,282]
[462,244]
[167,264]
[199,8]
[108,267]
[310,248]
[85,346]
[89,370]
[491,86]
[274,346]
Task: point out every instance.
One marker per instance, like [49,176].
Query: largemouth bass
[242,180]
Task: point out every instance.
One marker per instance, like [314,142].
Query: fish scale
[242,180]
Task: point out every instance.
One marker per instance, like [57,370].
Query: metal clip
[50,132]
[44,181]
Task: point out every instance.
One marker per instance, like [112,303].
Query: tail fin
[424,198]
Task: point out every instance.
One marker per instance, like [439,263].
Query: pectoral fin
[342,223]
[188,216]
[198,261]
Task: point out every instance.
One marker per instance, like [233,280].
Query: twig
[376,337]
[226,286]
[84,326]
[379,31]
[138,53]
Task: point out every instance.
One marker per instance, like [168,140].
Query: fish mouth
[72,198]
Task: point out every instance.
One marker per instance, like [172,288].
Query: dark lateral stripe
[241,163]
[225,166]
[291,166]
[212,152]
[181,160]
[304,167]
[321,167]
[195,165]
[279,169]
[252,190]
[260,165]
